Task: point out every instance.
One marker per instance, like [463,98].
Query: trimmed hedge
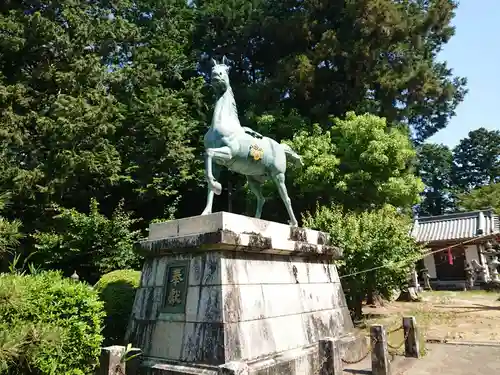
[48,325]
[117,290]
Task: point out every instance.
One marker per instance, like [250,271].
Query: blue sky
[474,53]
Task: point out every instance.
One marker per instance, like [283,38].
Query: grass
[425,314]
[462,294]
[395,336]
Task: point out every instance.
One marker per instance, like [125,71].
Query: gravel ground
[457,360]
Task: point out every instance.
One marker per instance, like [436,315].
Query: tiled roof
[459,226]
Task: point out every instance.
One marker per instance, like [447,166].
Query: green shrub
[48,325]
[117,290]
[492,286]
[97,243]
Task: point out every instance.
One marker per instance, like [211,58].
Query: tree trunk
[370,298]
[409,295]
[356,308]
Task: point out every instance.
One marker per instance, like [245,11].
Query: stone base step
[301,361]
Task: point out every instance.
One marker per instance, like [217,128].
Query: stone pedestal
[229,294]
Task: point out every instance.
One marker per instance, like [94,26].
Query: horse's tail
[288,151]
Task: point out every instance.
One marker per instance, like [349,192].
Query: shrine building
[466,232]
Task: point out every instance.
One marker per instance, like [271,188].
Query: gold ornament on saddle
[256,152]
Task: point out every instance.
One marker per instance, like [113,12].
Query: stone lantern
[493,262]
[75,276]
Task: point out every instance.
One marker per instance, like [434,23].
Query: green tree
[481,198]
[371,239]
[91,243]
[477,159]
[324,58]
[9,230]
[375,163]
[58,118]
[435,163]
[162,111]
[98,101]
[10,234]
[360,163]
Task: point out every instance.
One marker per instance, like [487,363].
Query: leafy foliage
[97,101]
[324,58]
[9,230]
[372,239]
[375,163]
[106,101]
[162,108]
[462,178]
[481,198]
[435,164]
[58,119]
[360,163]
[48,325]
[91,242]
[117,290]
[477,159]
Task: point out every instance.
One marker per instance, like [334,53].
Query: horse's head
[220,74]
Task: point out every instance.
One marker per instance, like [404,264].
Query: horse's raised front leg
[256,188]
[279,180]
[210,193]
[222,154]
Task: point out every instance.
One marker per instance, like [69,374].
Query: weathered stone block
[225,293]
[380,351]
[234,368]
[110,362]
[330,357]
[227,231]
[412,342]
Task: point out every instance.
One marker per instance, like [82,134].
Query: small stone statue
[414,280]
[241,149]
[426,279]
[481,271]
[469,276]
[494,263]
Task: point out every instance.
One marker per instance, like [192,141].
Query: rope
[352,362]
[394,330]
[414,259]
[392,354]
[402,343]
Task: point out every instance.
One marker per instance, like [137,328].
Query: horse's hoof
[205,213]
[217,188]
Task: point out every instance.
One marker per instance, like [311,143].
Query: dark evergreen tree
[98,100]
[476,159]
[323,58]
[434,167]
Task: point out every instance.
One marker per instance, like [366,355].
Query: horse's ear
[225,61]
[213,62]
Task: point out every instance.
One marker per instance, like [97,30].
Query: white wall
[430,265]
[471,254]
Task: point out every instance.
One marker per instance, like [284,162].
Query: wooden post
[412,343]
[110,361]
[380,351]
[330,357]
